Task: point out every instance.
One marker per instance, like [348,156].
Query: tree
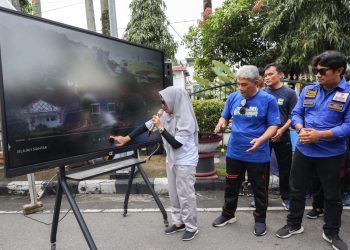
[232,34]
[302,29]
[22,5]
[148,26]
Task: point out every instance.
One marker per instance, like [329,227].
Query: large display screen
[65,90]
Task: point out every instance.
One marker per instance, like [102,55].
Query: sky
[180,13]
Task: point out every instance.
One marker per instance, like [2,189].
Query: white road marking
[152,210]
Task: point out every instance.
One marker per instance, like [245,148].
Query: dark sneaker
[222,221]
[260,229]
[314,214]
[287,231]
[252,204]
[285,204]
[243,189]
[174,229]
[336,242]
[249,192]
[346,199]
[189,235]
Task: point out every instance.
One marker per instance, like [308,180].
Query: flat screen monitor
[65,90]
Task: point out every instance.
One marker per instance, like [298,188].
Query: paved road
[143,227]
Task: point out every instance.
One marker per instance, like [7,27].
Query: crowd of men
[261,121]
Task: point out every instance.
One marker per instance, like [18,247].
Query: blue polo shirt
[324,110]
[261,112]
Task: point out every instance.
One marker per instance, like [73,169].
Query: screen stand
[97,170]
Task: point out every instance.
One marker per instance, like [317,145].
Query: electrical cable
[154,151]
[174,30]
[48,224]
[62,7]
[42,191]
[53,2]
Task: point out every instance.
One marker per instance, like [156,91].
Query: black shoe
[189,235]
[287,231]
[222,221]
[249,192]
[260,229]
[314,214]
[336,242]
[174,229]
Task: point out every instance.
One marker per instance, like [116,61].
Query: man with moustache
[255,120]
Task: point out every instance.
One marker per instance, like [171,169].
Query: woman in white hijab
[179,130]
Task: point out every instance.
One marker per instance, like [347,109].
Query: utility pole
[112,18]
[36,7]
[90,16]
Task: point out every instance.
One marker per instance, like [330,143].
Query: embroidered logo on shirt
[308,103]
[280,101]
[311,93]
[340,97]
[335,106]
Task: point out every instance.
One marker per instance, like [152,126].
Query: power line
[53,2]
[62,7]
[174,30]
[184,21]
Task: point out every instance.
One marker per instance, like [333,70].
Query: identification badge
[340,97]
[308,103]
[311,93]
[334,106]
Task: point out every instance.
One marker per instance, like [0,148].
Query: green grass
[221,171]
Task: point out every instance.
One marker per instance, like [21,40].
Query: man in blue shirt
[255,120]
[321,117]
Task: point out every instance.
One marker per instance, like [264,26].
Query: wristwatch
[161,130]
[298,130]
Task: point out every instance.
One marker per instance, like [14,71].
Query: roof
[40,107]
[179,68]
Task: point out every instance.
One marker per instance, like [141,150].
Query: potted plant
[208,113]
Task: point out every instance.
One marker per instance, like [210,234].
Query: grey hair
[249,72]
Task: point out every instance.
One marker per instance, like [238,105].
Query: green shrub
[208,113]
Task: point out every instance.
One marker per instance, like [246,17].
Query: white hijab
[181,120]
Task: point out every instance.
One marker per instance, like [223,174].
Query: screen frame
[16,171]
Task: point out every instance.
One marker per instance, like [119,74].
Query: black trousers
[328,170]
[257,176]
[284,153]
[317,193]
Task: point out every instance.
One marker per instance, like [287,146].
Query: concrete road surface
[143,227]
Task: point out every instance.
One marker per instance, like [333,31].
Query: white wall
[178,79]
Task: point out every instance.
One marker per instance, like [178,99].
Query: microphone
[159,114]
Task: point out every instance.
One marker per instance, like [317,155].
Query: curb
[106,186]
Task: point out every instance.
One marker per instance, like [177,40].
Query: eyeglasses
[242,109]
[163,102]
[322,71]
